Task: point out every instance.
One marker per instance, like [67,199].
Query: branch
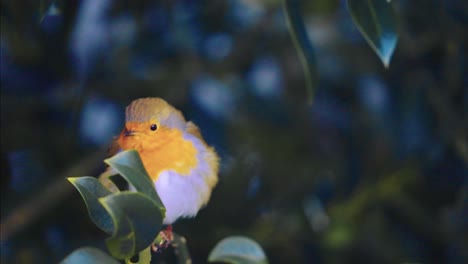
[50,197]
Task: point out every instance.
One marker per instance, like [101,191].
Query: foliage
[375,19]
[329,177]
[233,250]
[377,22]
[135,218]
[89,255]
[238,250]
[91,189]
[302,44]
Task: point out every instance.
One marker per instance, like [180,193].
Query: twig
[452,127]
[181,250]
[50,197]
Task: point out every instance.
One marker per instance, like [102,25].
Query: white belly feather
[184,195]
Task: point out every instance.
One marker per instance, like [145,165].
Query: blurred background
[373,171]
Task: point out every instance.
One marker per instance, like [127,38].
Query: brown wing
[194,130]
[114,147]
[210,156]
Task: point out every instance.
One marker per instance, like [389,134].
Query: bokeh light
[373,170]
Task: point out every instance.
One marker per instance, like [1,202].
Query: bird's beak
[128,133]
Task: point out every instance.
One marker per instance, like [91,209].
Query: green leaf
[91,189]
[377,22]
[137,220]
[302,44]
[144,257]
[90,256]
[238,250]
[128,164]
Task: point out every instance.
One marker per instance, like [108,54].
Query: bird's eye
[153,127]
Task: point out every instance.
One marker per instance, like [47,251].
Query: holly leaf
[91,189]
[238,250]
[301,41]
[88,255]
[134,219]
[377,22]
[144,257]
[128,164]
[137,221]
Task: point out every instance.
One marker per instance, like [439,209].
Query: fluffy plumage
[183,167]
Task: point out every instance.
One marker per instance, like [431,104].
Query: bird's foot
[165,239]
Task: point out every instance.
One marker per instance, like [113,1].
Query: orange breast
[169,151]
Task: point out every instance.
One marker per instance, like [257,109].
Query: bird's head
[150,123]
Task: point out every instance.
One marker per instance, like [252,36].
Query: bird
[182,166]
